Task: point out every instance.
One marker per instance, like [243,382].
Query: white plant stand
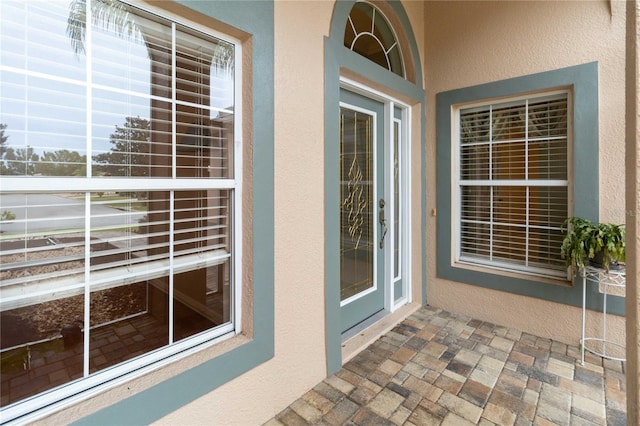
[606,281]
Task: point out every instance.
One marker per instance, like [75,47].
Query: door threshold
[348,334]
[362,335]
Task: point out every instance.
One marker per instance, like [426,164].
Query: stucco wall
[633,210]
[299,361]
[470,43]
[461,44]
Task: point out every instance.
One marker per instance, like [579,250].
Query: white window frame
[49,401]
[493,266]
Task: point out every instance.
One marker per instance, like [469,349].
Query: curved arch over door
[399,21]
[369,33]
[341,62]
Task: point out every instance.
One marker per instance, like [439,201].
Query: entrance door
[363,208]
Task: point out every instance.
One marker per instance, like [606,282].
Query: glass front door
[364,227]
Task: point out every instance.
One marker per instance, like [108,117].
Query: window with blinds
[513,184]
[119,192]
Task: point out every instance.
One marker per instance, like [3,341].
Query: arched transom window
[368,33]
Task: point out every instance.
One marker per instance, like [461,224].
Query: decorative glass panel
[369,34]
[397,185]
[357,245]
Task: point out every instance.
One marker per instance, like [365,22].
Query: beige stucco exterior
[472,43]
[299,360]
[460,44]
[633,210]
[465,44]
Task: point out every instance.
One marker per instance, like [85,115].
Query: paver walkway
[440,368]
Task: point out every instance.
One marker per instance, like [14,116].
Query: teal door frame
[340,61]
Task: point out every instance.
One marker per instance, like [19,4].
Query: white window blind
[513,184]
[118,191]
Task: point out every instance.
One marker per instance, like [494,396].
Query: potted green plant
[599,244]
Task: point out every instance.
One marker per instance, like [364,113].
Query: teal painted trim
[332,214]
[357,63]
[160,400]
[337,57]
[256,18]
[583,79]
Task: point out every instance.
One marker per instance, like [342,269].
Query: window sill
[497,271]
[91,401]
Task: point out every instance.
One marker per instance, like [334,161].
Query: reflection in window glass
[130,248]
[40,28]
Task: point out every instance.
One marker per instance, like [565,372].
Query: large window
[513,181]
[120,193]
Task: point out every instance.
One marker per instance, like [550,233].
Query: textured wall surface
[633,212]
[470,43]
[299,361]
[461,44]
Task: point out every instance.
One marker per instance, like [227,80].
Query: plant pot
[597,262]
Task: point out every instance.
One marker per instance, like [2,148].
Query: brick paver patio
[440,368]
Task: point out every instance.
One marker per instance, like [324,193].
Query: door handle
[383,222]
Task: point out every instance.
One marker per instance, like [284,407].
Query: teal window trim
[337,58]
[255,18]
[583,82]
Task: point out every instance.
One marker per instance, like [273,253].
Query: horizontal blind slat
[58,287]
